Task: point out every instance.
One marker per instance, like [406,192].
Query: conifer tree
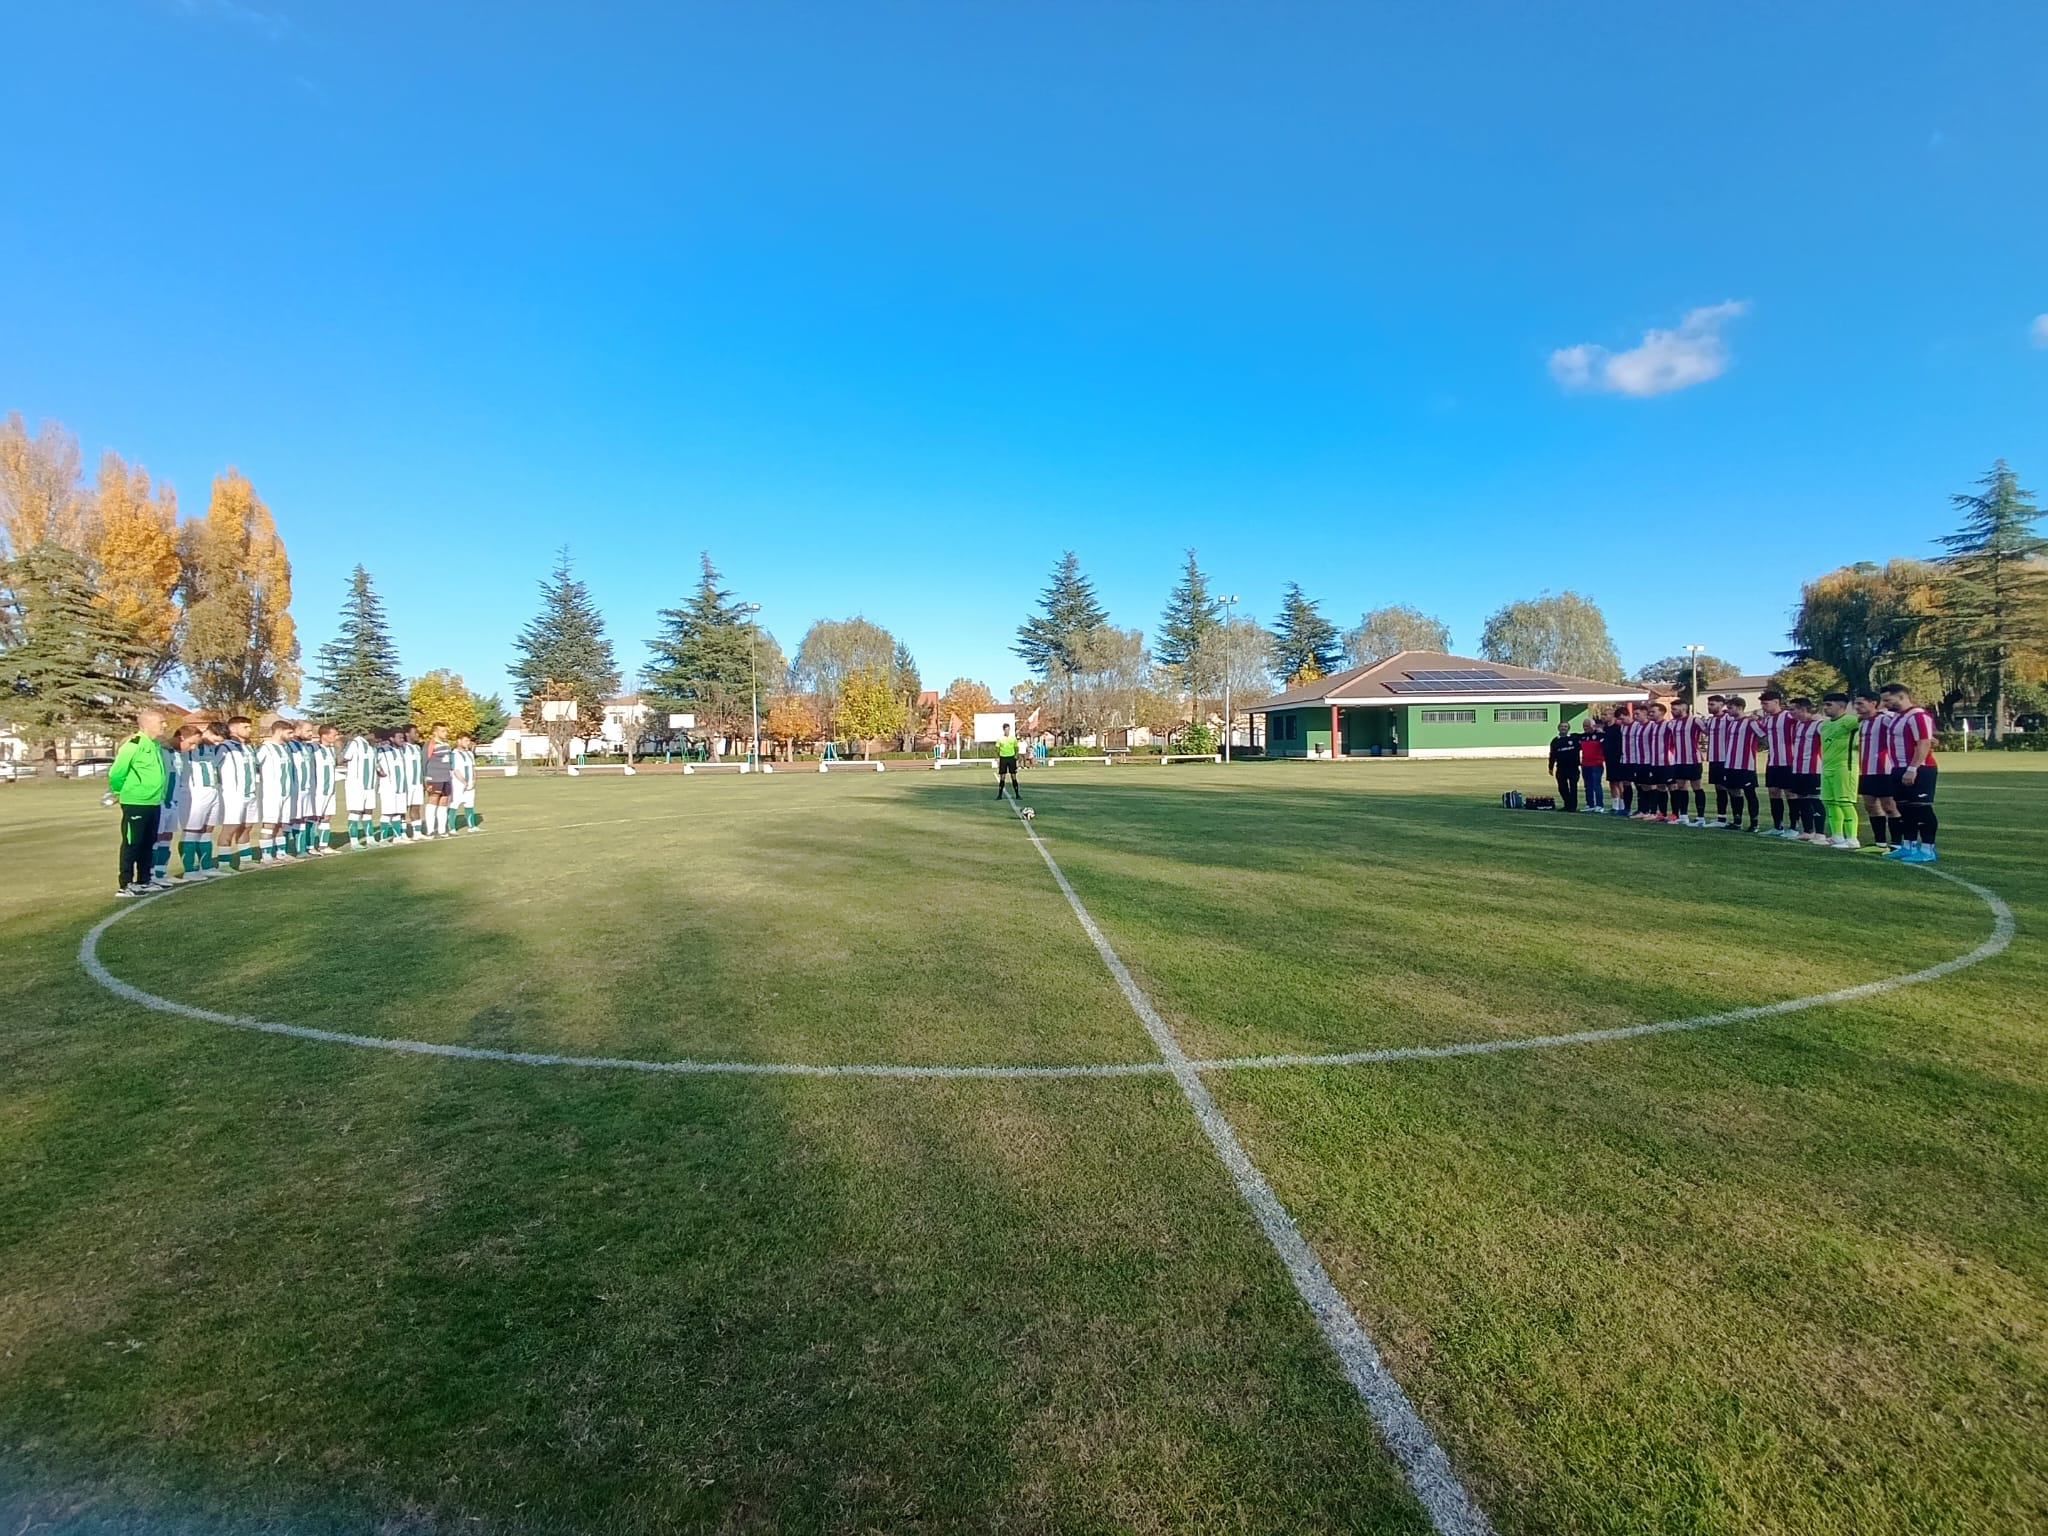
[61,650]
[1188,630]
[359,687]
[705,659]
[1305,644]
[1054,641]
[1993,610]
[563,654]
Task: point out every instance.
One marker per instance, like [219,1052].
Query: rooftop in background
[1409,677]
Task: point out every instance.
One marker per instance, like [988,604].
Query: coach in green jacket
[138,779]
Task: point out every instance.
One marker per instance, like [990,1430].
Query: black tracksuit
[1564,762]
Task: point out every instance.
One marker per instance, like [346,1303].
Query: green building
[1426,704]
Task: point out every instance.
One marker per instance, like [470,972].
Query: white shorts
[171,819]
[391,806]
[204,811]
[245,814]
[274,807]
[361,801]
[323,806]
[465,798]
[416,795]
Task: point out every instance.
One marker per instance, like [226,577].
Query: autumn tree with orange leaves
[240,649]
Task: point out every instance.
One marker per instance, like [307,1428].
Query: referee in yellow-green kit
[1006,763]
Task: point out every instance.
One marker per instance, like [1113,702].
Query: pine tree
[61,659]
[1053,641]
[240,649]
[1994,604]
[1305,644]
[492,721]
[356,673]
[564,656]
[705,659]
[1187,631]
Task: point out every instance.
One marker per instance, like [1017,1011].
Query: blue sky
[887,304]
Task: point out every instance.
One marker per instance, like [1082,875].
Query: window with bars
[1502,715]
[1450,717]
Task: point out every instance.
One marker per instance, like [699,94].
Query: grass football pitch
[1783,1274]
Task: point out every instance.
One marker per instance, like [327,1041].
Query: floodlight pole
[754,684]
[1694,651]
[1229,615]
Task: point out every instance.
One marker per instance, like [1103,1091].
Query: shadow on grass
[295,1287]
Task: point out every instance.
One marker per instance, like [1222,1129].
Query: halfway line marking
[1452,1510]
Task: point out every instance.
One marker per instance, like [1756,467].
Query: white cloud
[2037,333]
[1665,360]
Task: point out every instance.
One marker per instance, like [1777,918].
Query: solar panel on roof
[1496,683]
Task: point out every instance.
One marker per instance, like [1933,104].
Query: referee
[1006,764]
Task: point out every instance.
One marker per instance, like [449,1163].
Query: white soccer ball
[1028,814]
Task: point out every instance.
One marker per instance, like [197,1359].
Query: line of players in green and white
[236,802]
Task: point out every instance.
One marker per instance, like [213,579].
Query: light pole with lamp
[1229,617]
[754,684]
[1694,652]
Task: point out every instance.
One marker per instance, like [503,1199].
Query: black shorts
[1878,786]
[1739,778]
[1921,790]
[1715,774]
[1805,785]
[1006,767]
[1777,778]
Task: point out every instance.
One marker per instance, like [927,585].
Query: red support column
[1336,734]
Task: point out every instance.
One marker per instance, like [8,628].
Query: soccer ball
[1028,814]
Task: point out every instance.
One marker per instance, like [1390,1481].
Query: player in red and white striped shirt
[1682,751]
[1745,733]
[1912,736]
[1809,811]
[1877,775]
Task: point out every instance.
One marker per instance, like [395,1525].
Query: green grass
[1784,1276]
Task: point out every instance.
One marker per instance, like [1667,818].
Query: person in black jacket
[1618,781]
[1564,763]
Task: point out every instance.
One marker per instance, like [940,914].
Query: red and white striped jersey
[1632,749]
[1909,728]
[1778,733]
[1874,745]
[1679,746]
[1804,745]
[1716,730]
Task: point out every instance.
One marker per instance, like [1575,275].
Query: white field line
[88,958]
[1452,1510]
[2002,928]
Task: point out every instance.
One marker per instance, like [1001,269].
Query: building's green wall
[1313,729]
[1400,728]
[1485,731]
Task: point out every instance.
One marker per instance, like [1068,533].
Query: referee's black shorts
[1006,767]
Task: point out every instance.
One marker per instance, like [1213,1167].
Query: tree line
[1968,629]
[107,596]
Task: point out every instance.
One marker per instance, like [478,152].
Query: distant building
[1428,704]
[1748,685]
